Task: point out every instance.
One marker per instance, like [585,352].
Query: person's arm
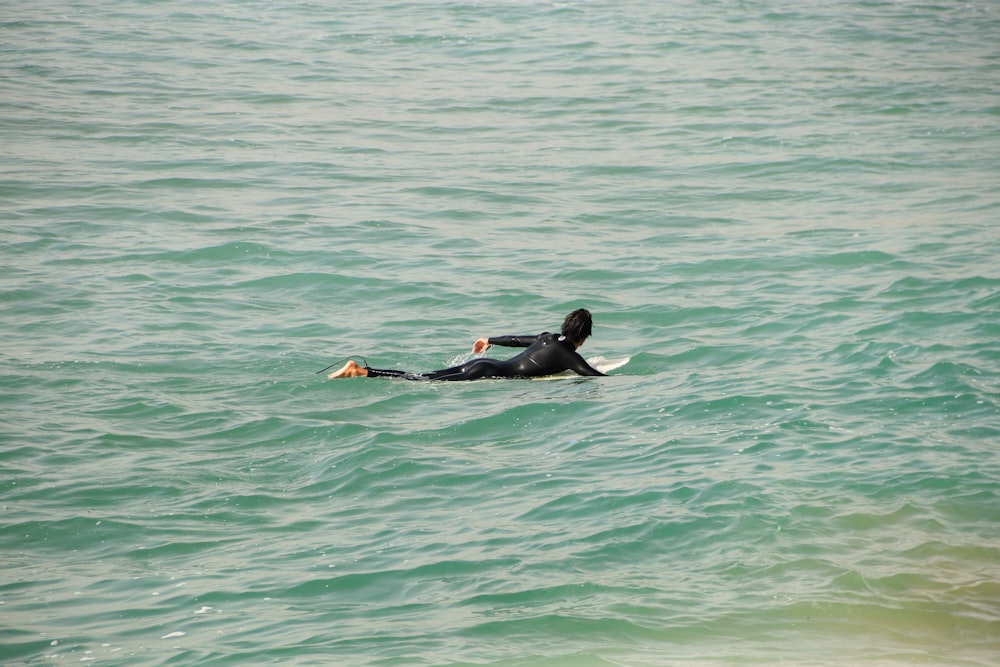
[483,344]
[580,366]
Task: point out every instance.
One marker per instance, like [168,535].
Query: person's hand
[481,345]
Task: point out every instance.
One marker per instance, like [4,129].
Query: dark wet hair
[577,326]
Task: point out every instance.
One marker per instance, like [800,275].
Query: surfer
[546,354]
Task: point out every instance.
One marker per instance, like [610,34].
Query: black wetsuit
[547,354]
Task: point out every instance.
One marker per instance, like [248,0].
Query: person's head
[577,326]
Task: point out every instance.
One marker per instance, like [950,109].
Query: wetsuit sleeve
[512,341]
[581,367]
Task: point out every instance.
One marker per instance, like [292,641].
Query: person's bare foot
[350,370]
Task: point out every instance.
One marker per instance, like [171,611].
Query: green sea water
[786,214]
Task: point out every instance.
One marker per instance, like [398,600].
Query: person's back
[547,354]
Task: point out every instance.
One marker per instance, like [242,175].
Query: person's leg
[473,370]
[350,370]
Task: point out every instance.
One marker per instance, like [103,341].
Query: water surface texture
[786,213]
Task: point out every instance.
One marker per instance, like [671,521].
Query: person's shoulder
[547,338]
[557,338]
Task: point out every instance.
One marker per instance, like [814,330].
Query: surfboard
[605,365]
[600,363]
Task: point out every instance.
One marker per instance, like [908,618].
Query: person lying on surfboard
[546,354]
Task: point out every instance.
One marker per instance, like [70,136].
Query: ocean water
[786,214]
